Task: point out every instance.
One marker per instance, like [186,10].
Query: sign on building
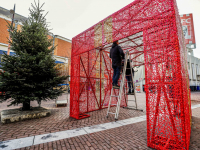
[188,30]
[137,88]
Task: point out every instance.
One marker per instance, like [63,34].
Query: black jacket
[116,54]
[128,68]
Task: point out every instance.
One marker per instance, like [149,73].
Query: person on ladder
[116,54]
[129,78]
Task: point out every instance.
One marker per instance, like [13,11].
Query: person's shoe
[132,93]
[116,87]
[129,93]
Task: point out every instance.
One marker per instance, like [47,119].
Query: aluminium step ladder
[134,100]
[121,89]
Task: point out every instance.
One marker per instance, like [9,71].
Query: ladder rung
[113,105]
[114,96]
[111,113]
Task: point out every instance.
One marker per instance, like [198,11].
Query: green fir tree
[30,75]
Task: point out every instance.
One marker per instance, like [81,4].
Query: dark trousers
[116,74]
[130,83]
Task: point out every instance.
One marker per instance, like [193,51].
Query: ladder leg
[133,85]
[120,92]
[109,103]
[135,96]
[125,96]
[118,103]
[117,110]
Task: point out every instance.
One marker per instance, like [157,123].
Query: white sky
[70,17]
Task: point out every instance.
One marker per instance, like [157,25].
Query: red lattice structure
[151,31]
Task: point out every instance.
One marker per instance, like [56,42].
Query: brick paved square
[126,137]
[59,120]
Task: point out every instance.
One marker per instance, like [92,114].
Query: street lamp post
[12,11]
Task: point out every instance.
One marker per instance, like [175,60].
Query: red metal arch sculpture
[149,29]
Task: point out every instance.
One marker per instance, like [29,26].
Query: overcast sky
[70,17]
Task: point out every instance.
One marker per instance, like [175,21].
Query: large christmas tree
[30,75]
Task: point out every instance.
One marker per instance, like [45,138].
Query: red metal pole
[100,77]
[88,82]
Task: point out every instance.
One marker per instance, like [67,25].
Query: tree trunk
[26,105]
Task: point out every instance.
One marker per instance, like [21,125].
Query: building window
[193,72]
[197,71]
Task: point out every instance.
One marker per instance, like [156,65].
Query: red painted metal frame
[149,29]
